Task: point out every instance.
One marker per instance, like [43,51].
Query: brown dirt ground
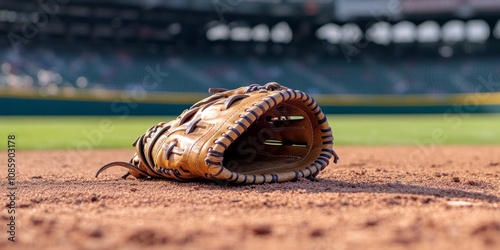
[375,198]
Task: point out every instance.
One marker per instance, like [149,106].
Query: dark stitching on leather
[152,143]
[315,107]
[215,153]
[327,150]
[326,160]
[209,104]
[268,103]
[184,170]
[228,137]
[260,106]
[168,150]
[209,162]
[192,125]
[282,96]
[310,172]
[220,171]
[328,156]
[322,120]
[211,99]
[274,178]
[274,99]
[310,104]
[289,94]
[217,90]
[308,98]
[326,130]
[246,118]
[318,169]
[242,125]
[235,131]
[253,113]
[135,142]
[232,99]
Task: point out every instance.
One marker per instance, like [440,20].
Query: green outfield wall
[106,102]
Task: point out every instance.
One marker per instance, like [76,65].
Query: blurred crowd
[54,68]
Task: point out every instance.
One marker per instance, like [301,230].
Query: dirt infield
[375,198]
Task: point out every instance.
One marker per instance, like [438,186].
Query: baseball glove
[250,135]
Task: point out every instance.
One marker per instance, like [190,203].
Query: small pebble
[262,230]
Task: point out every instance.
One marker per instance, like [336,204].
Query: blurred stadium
[95,57]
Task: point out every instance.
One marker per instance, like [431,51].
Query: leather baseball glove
[251,135]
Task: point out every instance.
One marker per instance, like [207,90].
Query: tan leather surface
[253,134]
